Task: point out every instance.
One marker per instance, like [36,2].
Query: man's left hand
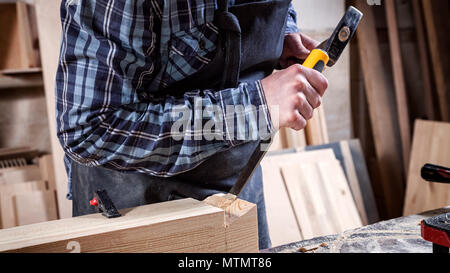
[296,46]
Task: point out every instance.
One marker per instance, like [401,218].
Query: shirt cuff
[246,115]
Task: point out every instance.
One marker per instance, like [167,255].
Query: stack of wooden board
[389,91]
[27,191]
[431,145]
[314,194]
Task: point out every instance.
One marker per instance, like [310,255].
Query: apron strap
[223,5]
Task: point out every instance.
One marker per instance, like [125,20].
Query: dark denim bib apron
[249,47]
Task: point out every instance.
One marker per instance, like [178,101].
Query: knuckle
[300,124]
[317,101]
[297,68]
[309,114]
[301,83]
[291,118]
[297,100]
[323,84]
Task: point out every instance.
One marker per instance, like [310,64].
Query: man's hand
[296,91]
[296,46]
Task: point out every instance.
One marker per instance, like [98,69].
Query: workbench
[400,235]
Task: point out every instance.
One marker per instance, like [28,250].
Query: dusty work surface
[401,235]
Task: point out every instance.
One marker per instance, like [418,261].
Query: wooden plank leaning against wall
[49,28]
[383,126]
[431,145]
[399,81]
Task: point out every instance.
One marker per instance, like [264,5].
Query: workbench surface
[401,235]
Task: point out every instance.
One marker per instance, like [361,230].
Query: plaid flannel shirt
[114,54]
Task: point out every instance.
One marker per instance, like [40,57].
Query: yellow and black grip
[317,60]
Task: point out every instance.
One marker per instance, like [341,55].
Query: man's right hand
[296,91]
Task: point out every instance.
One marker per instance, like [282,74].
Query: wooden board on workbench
[430,145]
[185,225]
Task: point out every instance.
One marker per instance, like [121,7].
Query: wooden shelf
[21,78]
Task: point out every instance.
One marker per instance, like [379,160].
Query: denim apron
[249,46]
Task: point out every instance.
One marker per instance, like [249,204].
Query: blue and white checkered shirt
[116,52]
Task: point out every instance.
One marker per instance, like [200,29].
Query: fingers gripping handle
[317,60]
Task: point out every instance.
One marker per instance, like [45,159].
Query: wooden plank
[27,54]
[430,145]
[294,139]
[34,207]
[424,59]
[185,225]
[316,129]
[350,155]
[399,81]
[383,126]
[9,40]
[437,54]
[47,171]
[49,28]
[284,227]
[321,198]
[353,182]
[20,174]
[7,192]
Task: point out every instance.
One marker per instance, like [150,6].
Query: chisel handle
[317,60]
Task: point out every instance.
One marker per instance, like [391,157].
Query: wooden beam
[399,81]
[185,225]
[49,28]
[383,125]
